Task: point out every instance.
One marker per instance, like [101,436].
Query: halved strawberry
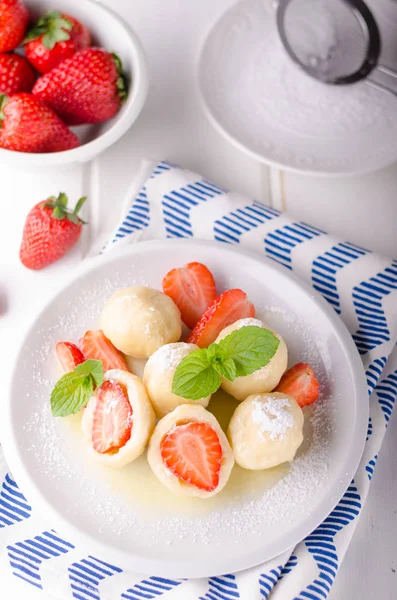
[112,422]
[225,310]
[95,345]
[300,382]
[192,288]
[193,453]
[69,356]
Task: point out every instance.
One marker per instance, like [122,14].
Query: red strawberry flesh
[300,382]
[69,356]
[193,453]
[192,288]
[227,308]
[112,422]
[94,344]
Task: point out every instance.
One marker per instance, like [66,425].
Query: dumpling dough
[138,320]
[262,380]
[266,430]
[159,373]
[187,413]
[143,420]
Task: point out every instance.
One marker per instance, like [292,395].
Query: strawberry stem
[61,211]
[121,83]
[54,28]
[3,101]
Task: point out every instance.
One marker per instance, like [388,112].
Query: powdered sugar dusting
[271,416]
[170,355]
[249,322]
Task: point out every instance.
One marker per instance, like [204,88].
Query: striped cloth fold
[362,289]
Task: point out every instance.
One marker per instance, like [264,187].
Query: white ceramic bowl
[109,31]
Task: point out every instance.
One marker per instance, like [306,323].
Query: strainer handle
[374,82]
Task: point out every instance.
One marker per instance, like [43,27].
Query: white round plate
[126,516]
[266,106]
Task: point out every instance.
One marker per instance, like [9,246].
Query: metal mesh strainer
[335,41]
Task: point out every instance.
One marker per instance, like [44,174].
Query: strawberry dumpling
[139,320]
[118,419]
[189,453]
[266,430]
[159,374]
[262,380]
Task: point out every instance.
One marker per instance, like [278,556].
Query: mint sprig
[196,378]
[240,353]
[74,389]
[250,348]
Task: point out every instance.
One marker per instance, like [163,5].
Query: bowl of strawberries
[73,79]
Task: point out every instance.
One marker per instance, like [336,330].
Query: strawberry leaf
[53,37]
[61,211]
[53,27]
[79,205]
[58,213]
[73,218]
[121,83]
[62,199]
[3,101]
[65,23]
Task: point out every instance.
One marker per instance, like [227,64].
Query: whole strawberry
[89,87]
[54,38]
[27,125]
[50,231]
[14,19]
[16,74]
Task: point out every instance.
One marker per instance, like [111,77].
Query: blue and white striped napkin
[361,287]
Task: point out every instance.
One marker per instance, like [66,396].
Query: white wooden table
[173,126]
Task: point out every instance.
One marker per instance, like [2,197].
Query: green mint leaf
[215,353]
[226,369]
[250,348]
[71,393]
[91,367]
[195,377]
